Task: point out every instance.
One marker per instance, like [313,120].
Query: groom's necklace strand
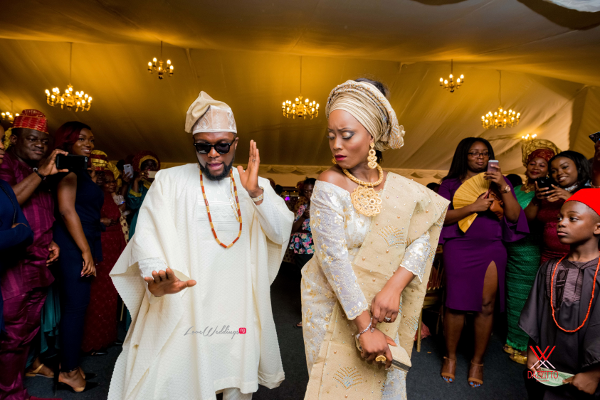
[237,206]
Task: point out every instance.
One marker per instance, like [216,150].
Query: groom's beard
[221,176]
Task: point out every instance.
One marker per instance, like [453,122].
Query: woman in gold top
[373,232]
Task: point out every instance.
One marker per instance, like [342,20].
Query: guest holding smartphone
[475,260]
[570,171]
[77,232]
[524,255]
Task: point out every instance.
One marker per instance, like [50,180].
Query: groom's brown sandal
[475,375]
[448,369]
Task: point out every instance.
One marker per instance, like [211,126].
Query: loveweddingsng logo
[210,331]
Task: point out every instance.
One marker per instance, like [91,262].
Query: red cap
[32,119]
[589,197]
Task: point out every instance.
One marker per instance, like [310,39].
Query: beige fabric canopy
[249,55]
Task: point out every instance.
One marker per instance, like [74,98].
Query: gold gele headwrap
[7,136]
[148,157]
[372,109]
[99,160]
[116,173]
[529,146]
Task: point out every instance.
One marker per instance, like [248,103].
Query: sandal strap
[38,369]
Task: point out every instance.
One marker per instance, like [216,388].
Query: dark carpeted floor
[503,379]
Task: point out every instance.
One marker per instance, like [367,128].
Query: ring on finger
[387,319]
[381,358]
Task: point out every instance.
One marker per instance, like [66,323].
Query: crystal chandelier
[156,65]
[449,83]
[529,137]
[8,116]
[501,118]
[299,108]
[80,100]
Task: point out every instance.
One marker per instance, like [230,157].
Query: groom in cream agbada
[196,276]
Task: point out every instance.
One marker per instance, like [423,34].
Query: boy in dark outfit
[561,311]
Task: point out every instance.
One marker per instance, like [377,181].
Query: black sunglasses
[205,148]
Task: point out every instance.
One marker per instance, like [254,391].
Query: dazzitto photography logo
[542,366]
[215,330]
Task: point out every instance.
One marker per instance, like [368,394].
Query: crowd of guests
[495,246]
[62,230]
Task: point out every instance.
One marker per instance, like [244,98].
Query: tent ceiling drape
[247,53]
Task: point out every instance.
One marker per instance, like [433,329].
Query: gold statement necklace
[237,206]
[364,198]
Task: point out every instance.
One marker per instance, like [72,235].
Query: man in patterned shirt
[25,281]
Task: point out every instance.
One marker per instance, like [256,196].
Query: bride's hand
[376,343]
[385,304]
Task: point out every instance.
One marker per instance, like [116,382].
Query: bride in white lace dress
[359,119]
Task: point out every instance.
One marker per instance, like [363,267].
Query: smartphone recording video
[493,166]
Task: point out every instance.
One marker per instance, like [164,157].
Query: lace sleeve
[327,226]
[416,256]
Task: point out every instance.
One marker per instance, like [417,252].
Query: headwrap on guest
[68,134]
[32,119]
[142,156]
[589,197]
[99,160]
[209,115]
[372,109]
[7,136]
[116,173]
[541,148]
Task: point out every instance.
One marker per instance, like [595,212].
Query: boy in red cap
[561,316]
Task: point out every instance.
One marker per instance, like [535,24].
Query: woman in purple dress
[475,261]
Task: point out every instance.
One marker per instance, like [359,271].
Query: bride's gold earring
[372,158]
[333,160]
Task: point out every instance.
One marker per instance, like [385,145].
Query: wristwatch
[42,177]
[506,189]
[259,198]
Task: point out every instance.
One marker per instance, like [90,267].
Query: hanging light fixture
[300,107]
[528,137]
[80,100]
[501,118]
[449,83]
[8,115]
[156,65]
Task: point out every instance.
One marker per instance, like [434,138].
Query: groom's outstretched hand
[165,282]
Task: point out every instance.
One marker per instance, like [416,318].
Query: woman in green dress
[524,255]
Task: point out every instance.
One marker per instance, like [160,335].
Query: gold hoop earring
[333,160]
[372,158]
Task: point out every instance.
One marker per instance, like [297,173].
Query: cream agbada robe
[188,345]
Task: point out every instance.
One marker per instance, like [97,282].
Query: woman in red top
[570,172]
[100,329]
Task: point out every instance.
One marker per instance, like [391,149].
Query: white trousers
[235,394]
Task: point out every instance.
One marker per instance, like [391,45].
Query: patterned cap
[209,115]
[32,119]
